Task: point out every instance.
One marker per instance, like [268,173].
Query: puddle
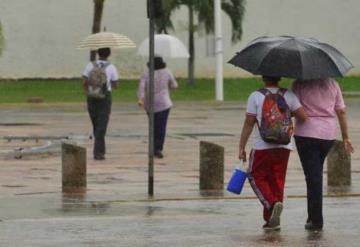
[13,186]
[20,124]
[196,135]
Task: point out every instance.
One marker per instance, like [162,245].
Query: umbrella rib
[332,60]
[301,58]
[267,53]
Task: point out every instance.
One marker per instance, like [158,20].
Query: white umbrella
[106,40]
[165,46]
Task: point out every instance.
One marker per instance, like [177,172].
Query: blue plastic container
[237,181]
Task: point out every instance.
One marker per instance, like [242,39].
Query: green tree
[98,12]
[204,9]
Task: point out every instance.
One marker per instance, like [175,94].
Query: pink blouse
[320,99]
[163,81]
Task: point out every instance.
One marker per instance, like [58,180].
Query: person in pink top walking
[164,80]
[323,102]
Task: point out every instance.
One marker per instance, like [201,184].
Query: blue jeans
[312,153]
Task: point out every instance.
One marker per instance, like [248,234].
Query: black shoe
[99,157]
[267,227]
[313,227]
[158,154]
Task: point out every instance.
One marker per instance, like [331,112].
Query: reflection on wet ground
[78,220]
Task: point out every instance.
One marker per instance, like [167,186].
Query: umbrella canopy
[106,40]
[165,46]
[294,57]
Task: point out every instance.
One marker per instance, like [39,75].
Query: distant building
[40,36]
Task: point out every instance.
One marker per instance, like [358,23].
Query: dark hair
[158,63]
[104,52]
[273,79]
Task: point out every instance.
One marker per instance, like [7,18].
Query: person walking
[100,78]
[323,102]
[164,80]
[270,108]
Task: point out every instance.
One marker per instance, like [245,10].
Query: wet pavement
[116,210]
[55,221]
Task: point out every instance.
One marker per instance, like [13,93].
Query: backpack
[97,81]
[276,124]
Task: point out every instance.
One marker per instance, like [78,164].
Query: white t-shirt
[254,108]
[111,72]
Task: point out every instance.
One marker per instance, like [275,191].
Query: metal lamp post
[150,97]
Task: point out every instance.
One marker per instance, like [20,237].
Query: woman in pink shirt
[163,81]
[323,102]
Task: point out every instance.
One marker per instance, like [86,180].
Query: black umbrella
[294,57]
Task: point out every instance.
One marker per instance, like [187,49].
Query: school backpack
[97,81]
[276,124]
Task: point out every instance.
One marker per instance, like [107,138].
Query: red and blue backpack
[276,124]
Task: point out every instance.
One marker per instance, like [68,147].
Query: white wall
[41,35]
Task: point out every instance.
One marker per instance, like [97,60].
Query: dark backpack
[97,81]
[276,124]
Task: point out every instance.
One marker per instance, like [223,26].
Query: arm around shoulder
[300,114]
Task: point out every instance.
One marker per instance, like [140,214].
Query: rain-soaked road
[55,221]
[115,210]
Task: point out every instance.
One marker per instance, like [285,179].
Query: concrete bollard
[73,168]
[338,166]
[211,166]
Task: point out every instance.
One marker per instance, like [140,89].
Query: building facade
[39,37]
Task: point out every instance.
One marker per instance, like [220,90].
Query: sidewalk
[31,203]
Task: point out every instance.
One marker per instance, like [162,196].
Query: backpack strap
[282,91]
[105,65]
[95,64]
[100,65]
[264,91]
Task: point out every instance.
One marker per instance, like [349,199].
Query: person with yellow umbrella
[100,78]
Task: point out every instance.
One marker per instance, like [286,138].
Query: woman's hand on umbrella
[348,146]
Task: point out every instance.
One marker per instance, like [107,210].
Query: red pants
[267,176]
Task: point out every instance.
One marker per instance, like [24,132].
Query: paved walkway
[30,183]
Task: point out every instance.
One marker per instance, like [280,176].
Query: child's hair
[272,79]
[104,52]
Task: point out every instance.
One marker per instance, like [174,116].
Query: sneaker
[275,214]
[158,154]
[268,227]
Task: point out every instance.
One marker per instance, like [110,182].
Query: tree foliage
[204,10]
[98,12]
[164,23]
